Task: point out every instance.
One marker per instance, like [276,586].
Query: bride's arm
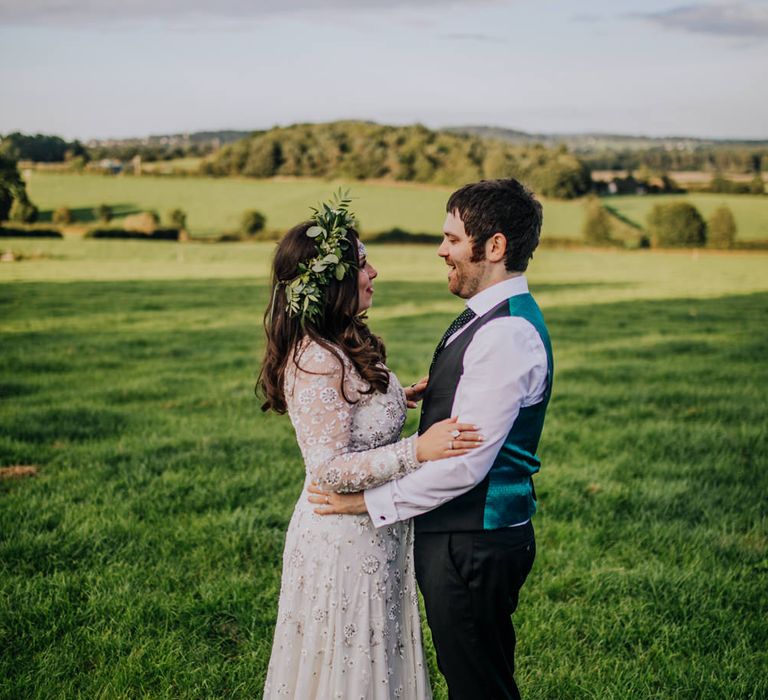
[323,422]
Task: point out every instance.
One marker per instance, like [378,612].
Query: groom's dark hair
[499,206]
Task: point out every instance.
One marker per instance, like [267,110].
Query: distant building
[107,165]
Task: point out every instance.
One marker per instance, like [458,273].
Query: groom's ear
[496,247]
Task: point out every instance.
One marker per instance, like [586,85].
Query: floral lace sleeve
[327,425]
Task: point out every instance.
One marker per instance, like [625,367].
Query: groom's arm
[505,368]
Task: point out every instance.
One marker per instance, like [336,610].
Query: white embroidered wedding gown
[348,618]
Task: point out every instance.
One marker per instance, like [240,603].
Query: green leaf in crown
[331,221]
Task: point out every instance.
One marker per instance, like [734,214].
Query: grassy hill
[364,150]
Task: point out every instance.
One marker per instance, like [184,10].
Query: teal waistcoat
[506,495]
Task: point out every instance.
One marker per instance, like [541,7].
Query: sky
[100,69]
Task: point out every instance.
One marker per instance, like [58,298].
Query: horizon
[650,69]
[245,131]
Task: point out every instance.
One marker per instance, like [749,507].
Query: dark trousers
[470,582]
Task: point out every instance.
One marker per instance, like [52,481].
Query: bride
[348,618]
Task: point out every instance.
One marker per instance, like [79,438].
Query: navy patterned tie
[459,322]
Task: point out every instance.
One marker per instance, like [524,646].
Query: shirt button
[381,517]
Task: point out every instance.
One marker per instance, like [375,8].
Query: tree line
[42,148]
[668,225]
[710,158]
[364,150]
[597,153]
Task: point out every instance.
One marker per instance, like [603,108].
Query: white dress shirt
[505,369]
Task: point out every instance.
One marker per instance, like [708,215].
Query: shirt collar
[484,301]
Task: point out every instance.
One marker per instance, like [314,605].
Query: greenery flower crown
[331,220]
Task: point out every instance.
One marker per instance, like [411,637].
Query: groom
[474,543]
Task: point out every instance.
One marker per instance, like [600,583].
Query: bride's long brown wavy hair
[339,327]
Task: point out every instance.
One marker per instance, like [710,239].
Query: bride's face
[365,276]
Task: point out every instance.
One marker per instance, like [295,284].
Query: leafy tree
[374,155]
[40,148]
[252,222]
[423,167]
[5,203]
[178,219]
[12,187]
[723,185]
[77,163]
[499,163]
[676,225]
[263,160]
[598,226]
[756,184]
[103,213]
[63,215]
[721,228]
[669,185]
[405,169]
[23,211]
[719,183]
[564,177]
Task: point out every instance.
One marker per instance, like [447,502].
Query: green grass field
[215,205]
[144,559]
[750,212]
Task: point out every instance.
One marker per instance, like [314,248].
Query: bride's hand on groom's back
[447,438]
[415,392]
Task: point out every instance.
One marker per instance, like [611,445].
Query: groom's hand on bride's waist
[331,503]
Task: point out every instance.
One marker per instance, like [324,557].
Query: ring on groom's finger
[455,433]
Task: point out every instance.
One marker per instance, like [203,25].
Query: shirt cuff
[380,505]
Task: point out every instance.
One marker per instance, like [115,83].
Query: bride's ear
[496,247]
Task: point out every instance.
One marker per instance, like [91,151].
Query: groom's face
[464,276]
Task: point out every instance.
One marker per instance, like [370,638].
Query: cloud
[467,36]
[586,17]
[721,19]
[115,11]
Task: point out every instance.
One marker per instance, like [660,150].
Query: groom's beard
[465,279]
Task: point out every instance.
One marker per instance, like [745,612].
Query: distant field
[751,212]
[169,167]
[215,205]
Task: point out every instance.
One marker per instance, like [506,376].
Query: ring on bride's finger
[455,433]
[451,444]
[327,500]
